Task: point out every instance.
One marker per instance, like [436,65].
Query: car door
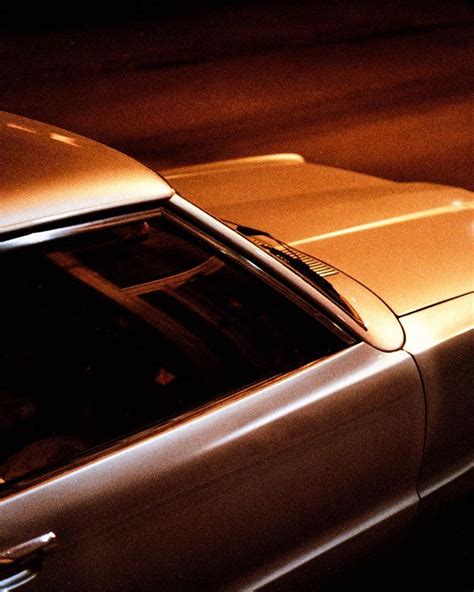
[280,448]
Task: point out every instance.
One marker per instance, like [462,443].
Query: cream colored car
[238,376]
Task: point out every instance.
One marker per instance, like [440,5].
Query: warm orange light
[64,139]
[21,128]
[456,206]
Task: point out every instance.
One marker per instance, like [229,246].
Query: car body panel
[396,239]
[381,327]
[234,164]
[279,481]
[441,339]
[320,455]
[411,264]
[48,174]
[269,170]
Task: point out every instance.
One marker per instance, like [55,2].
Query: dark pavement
[383,91]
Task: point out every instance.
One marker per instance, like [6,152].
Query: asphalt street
[391,98]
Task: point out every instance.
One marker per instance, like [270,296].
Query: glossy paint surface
[244,493]
[259,488]
[400,240]
[380,327]
[441,338]
[48,174]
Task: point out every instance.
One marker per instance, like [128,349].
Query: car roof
[48,174]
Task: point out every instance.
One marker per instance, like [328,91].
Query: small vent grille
[322,269]
[315,265]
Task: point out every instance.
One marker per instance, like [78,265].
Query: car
[240,375]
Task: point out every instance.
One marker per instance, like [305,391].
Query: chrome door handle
[20,564]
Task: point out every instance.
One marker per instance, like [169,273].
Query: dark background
[381,88]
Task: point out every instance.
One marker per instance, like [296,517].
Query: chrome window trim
[205,234]
[42,236]
[247,262]
[113,447]
[383,331]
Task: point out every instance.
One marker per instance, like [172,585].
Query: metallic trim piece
[26,559]
[73,230]
[40,543]
[16,580]
[319,267]
[447,479]
[43,236]
[267,277]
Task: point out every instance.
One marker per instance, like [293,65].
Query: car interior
[111,332]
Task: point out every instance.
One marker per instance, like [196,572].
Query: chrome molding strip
[249,263]
[385,334]
[42,236]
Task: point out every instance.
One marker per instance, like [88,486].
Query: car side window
[109,332]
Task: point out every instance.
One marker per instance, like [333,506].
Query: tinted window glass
[109,332]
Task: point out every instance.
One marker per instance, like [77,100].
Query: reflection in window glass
[107,333]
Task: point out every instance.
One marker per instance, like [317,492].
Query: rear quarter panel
[441,338]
